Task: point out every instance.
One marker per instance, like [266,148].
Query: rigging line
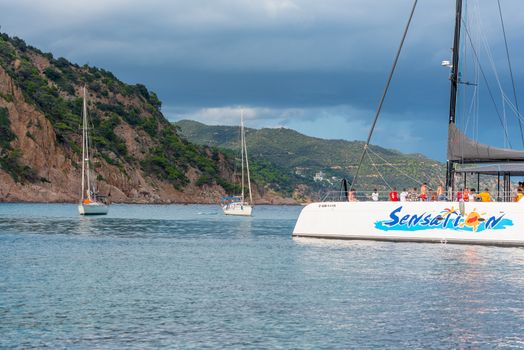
[394,167]
[386,88]
[465,68]
[486,81]
[518,115]
[497,78]
[470,109]
[475,111]
[374,166]
[472,113]
[510,68]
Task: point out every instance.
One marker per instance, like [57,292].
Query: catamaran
[449,221]
[237,205]
[91,203]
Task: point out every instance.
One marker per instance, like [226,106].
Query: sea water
[186,276]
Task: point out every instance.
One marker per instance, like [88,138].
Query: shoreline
[154,203]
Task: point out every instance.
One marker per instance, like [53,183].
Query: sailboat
[91,203]
[450,221]
[237,205]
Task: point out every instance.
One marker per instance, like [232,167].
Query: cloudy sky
[315,66]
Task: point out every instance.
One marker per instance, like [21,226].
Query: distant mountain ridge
[308,156]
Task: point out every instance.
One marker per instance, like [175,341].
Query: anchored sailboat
[450,221]
[91,203]
[237,205]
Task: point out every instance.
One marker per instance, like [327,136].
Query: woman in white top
[404,195]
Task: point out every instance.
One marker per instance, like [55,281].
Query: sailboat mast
[242,148]
[83,147]
[86,146]
[247,167]
[454,78]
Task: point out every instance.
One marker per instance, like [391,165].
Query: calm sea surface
[188,277]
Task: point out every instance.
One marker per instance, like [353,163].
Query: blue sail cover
[231,198]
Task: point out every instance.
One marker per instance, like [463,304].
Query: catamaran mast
[454,78]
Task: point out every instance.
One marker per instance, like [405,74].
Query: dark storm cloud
[311,65]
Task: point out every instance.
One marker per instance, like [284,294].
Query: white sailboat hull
[93,209]
[443,222]
[239,209]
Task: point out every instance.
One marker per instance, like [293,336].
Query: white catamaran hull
[93,209]
[442,222]
[238,209]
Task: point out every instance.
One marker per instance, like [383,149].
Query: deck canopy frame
[502,171]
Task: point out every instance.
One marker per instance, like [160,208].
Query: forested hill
[309,156]
[139,155]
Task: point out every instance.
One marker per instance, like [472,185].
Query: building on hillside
[319,176]
[300,170]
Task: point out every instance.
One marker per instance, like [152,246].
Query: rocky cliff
[139,156]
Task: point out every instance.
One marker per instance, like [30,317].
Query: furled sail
[465,150]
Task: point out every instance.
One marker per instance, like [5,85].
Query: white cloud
[230,115]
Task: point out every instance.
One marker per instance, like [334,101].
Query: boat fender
[462,207]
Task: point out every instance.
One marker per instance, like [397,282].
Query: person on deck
[352,196]
[485,196]
[393,195]
[519,195]
[374,195]
[465,195]
[424,192]
[412,195]
[404,195]
[472,195]
[440,193]
[88,198]
[459,195]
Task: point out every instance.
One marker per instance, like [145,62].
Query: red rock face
[57,165]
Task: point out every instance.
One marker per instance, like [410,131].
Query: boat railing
[384,196]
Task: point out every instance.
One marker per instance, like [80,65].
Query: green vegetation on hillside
[9,156]
[54,86]
[297,158]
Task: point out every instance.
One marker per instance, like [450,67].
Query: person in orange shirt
[465,195]
[519,195]
[88,198]
[485,196]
